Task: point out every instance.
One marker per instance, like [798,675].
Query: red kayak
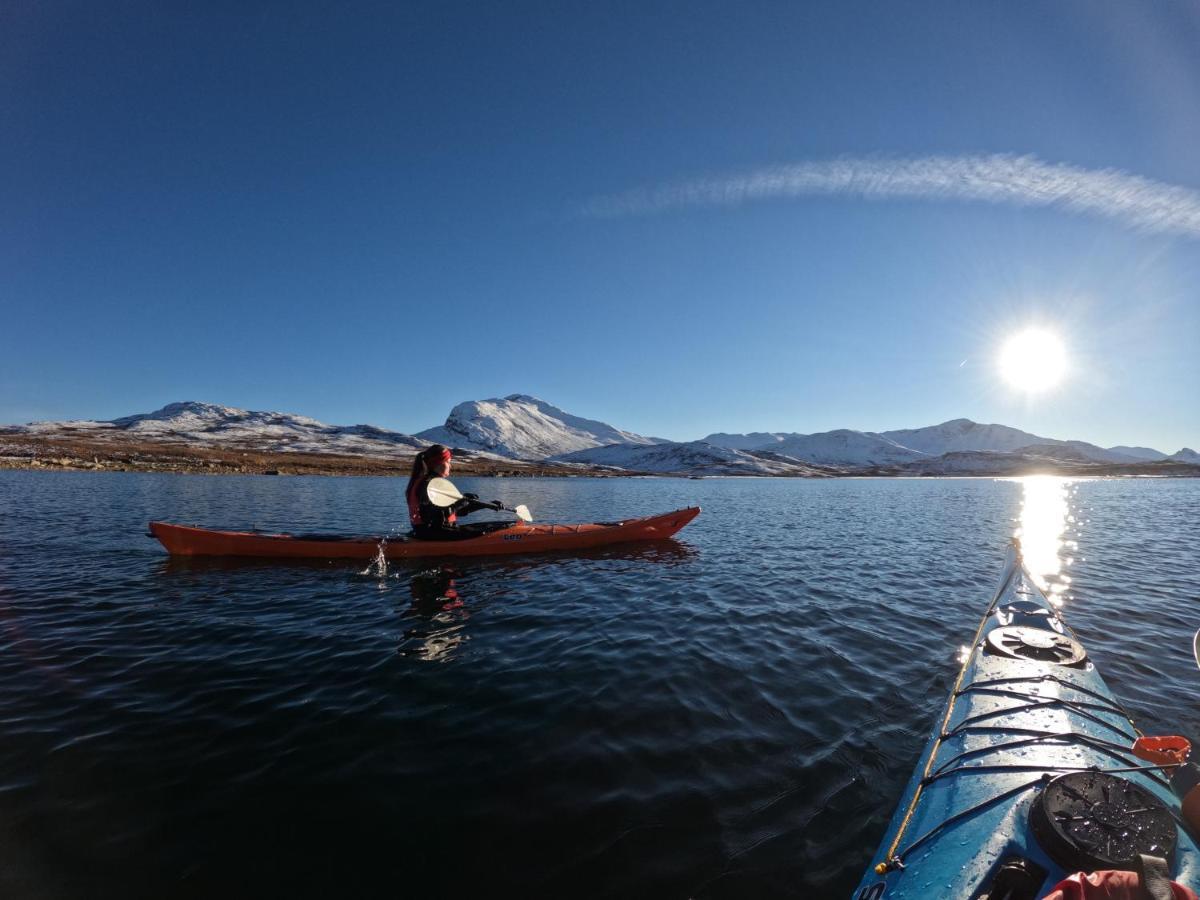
[519,537]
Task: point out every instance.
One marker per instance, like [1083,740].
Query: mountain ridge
[211,424]
[522,428]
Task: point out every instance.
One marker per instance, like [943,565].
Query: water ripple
[731,715]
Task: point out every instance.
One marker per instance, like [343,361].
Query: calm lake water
[733,714]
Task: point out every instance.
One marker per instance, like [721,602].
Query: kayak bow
[1029,775]
[184,540]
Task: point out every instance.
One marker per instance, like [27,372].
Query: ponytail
[427,458]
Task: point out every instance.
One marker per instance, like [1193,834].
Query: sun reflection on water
[1043,528]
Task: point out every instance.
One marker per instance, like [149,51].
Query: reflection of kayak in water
[433,591]
[486,539]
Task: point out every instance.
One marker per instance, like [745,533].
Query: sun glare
[1044,523]
[1033,360]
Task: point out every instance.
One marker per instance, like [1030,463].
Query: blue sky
[370,212]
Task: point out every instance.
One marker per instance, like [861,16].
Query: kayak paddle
[1196,647]
[442,492]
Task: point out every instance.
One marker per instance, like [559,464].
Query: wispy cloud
[1132,200]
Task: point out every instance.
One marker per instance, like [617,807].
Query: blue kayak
[1029,775]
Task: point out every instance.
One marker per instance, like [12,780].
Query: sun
[1033,360]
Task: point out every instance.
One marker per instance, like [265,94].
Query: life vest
[414,504]
[416,497]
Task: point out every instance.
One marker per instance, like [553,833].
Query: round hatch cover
[1019,642]
[1090,820]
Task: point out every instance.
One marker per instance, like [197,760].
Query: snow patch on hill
[962,434]
[755,440]
[1092,453]
[1140,453]
[844,447]
[970,462]
[692,458]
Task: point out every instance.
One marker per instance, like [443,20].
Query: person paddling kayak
[434,505]
[429,521]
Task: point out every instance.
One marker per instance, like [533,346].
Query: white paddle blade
[522,512]
[1196,647]
[442,492]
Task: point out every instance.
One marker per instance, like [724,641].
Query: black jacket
[437,518]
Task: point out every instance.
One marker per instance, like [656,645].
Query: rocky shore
[81,454]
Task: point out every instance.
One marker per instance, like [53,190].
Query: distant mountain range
[906,445]
[523,428]
[210,425]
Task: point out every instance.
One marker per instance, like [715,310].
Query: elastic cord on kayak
[1117,751]
[1027,679]
[1034,702]
[1005,767]
[897,861]
[892,860]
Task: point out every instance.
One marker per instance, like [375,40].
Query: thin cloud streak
[1132,200]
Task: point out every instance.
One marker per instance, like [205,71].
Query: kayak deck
[1028,706]
[186,540]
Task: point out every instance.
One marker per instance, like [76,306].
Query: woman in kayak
[429,521]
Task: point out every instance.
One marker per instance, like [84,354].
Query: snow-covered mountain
[844,447]
[908,444]
[692,458]
[211,425]
[524,427]
[962,434]
[1186,455]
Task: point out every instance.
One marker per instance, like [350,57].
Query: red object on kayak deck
[1165,750]
[1109,885]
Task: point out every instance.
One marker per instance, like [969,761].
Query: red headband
[444,456]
